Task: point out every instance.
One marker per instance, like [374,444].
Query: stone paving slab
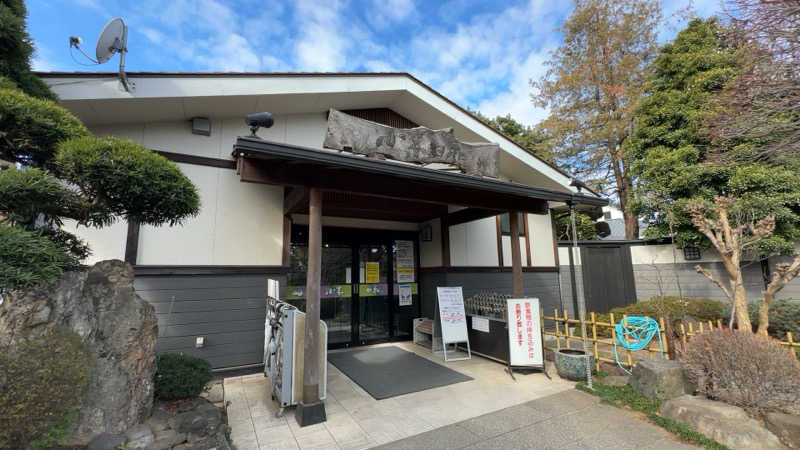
[358,421]
[567,420]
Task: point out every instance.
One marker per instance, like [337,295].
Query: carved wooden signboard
[417,145]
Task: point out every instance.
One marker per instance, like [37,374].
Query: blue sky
[480,54]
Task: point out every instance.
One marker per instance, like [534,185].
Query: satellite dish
[112,40]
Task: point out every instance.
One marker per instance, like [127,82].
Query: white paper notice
[451,314]
[405,261]
[405,294]
[480,323]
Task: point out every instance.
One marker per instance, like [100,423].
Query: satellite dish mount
[113,39]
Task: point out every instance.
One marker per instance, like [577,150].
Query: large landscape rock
[118,326]
[660,378]
[786,427]
[727,424]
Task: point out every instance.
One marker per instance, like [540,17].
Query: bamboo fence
[602,346]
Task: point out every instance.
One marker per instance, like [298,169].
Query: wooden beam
[294,199]
[517,289]
[313,277]
[445,238]
[469,214]
[287,241]
[527,238]
[499,240]
[383,186]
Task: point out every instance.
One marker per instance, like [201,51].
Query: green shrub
[744,369]
[33,127]
[30,257]
[180,376]
[670,308]
[784,315]
[675,308]
[42,379]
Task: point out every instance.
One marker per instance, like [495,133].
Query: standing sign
[524,333]
[453,318]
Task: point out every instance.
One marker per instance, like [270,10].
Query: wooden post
[311,410]
[517,290]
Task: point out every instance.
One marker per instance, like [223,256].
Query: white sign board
[524,332]
[451,315]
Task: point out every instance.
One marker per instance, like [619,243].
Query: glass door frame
[355,237]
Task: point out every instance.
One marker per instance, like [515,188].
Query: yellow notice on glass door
[373,272]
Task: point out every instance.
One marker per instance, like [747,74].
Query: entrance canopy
[364,187]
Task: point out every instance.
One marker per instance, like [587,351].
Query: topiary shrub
[675,308]
[30,257]
[42,379]
[744,369]
[784,315]
[672,309]
[180,376]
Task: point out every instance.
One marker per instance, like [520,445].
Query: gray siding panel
[227,310]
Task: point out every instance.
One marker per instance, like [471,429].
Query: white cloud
[321,45]
[516,99]
[384,12]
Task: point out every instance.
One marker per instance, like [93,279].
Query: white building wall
[238,224]
[105,243]
[297,129]
[540,227]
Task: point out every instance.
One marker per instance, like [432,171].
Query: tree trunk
[763,313]
[740,300]
[631,224]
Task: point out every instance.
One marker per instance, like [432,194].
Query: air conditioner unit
[284,332]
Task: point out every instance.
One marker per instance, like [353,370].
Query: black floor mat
[389,371]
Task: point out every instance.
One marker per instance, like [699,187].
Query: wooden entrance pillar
[517,290]
[312,410]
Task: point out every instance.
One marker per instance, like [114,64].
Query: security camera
[258,120]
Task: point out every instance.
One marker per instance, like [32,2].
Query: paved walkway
[357,421]
[564,421]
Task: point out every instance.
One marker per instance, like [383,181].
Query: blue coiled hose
[636,335]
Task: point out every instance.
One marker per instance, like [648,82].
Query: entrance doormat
[390,371]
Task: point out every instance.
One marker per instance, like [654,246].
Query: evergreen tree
[744,211]
[593,84]
[58,170]
[670,147]
[16,49]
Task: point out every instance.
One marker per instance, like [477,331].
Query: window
[691,253]
[505,225]
[607,215]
